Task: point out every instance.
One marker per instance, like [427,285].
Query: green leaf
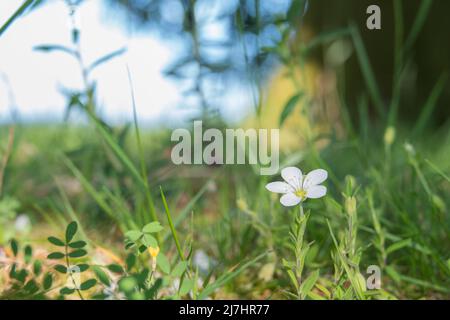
[152,227]
[130,261]
[71,230]
[60,268]
[83,267]
[56,241]
[28,252]
[398,245]
[106,58]
[48,281]
[77,253]
[13,272]
[65,291]
[77,244]
[127,284]
[296,11]
[21,275]
[56,255]
[309,283]
[88,284]
[115,268]
[163,263]
[179,269]
[31,286]
[133,235]
[186,286]
[152,292]
[37,267]
[14,247]
[129,245]
[102,276]
[150,241]
[293,278]
[289,107]
[54,47]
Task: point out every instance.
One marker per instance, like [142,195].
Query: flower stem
[69,271]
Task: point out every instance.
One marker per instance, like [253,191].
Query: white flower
[201,260]
[22,223]
[297,187]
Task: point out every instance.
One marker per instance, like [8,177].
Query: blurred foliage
[222,40]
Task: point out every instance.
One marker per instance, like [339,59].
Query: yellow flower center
[300,193]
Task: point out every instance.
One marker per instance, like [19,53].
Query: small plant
[349,282]
[28,278]
[295,189]
[71,250]
[150,281]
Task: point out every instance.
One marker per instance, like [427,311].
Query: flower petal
[315,192]
[293,176]
[289,200]
[279,187]
[315,177]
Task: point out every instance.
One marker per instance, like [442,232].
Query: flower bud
[389,136]
[350,205]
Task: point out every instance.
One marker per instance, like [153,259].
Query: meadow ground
[386,206]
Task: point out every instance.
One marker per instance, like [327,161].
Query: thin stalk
[144,172]
[70,273]
[16,14]
[398,61]
[172,227]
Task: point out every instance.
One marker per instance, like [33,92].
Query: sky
[31,81]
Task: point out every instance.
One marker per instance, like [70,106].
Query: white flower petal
[315,177]
[293,176]
[279,187]
[289,200]
[315,192]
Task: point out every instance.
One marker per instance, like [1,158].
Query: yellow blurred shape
[280,89]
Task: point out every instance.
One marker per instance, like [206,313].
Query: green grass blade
[325,37]
[437,170]
[172,227]
[367,71]
[419,22]
[119,152]
[144,172]
[429,106]
[106,58]
[188,208]
[289,107]
[16,14]
[89,188]
[398,61]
